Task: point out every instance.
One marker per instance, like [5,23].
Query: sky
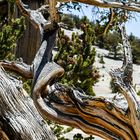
[132,26]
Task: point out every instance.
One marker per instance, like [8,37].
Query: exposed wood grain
[18,67]
[128,5]
[19,118]
[67,105]
[29,43]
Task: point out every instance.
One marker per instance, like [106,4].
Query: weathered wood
[18,67]
[93,115]
[3,8]
[19,118]
[123,79]
[29,43]
[104,117]
[3,136]
[127,5]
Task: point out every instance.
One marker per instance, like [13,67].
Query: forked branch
[36,17]
[123,79]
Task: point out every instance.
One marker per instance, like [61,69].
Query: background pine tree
[77,56]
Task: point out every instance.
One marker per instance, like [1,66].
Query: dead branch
[19,118]
[18,67]
[36,17]
[68,105]
[131,6]
[111,18]
[123,79]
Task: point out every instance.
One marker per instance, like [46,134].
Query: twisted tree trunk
[19,118]
[29,43]
[113,119]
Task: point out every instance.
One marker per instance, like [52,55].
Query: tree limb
[3,136]
[18,67]
[131,6]
[123,79]
[93,115]
[36,17]
[111,17]
[19,118]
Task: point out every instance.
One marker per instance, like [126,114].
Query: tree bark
[19,118]
[127,5]
[3,8]
[29,43]
[112,119]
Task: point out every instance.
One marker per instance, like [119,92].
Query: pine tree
[77,56]
[10,31]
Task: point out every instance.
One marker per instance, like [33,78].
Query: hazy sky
[131,26]
[134,26]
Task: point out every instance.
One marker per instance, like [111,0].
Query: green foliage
[138,93]
[59,130]
[27,85]
[76,20]
[111,40]
[112,43]
[135,43]
[113,87]
[9,33]
[104,16]
[101,60]
[77,56]
[106,26]
[68,21]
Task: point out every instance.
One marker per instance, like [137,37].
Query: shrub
[101,60]
[77,56]
[66,19]
[9,33]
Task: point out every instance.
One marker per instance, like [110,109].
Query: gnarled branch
[19,118]
[68,105]
[111,18]
[128,5]
[18,67]
[123,79]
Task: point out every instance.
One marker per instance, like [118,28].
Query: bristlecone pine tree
[77,57]
[22,117]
